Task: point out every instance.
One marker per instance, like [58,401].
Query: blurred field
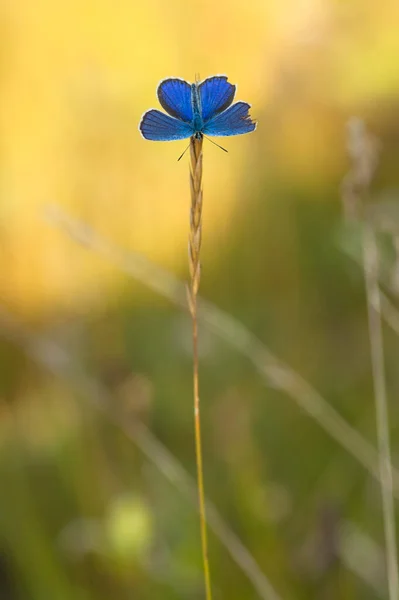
[90,354]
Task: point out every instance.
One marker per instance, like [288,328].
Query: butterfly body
[197,109]
[197,122]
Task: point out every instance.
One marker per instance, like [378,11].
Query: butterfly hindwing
[233,121]
[175,97]
[216,95]
[157,126]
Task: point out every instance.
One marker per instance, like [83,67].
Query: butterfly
[196,109]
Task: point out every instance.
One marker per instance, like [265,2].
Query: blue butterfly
[196,109]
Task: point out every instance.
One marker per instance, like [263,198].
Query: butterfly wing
[233,121]
[157,126]
[174,96]
[216,95]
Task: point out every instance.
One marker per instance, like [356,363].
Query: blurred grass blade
[370,254]
[273,371]
[55,359]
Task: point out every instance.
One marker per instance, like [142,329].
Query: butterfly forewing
[216,95]
[175,97]
[157,126]
[233,121]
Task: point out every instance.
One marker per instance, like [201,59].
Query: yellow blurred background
[75,78]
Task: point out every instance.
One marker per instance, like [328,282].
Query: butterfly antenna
[181,155]
[221,147]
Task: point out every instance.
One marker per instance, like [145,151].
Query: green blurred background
[86,351]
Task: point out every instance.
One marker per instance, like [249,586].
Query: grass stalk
[370,257]
[363,150]
[194,248]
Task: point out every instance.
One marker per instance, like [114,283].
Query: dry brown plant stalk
[194,248]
